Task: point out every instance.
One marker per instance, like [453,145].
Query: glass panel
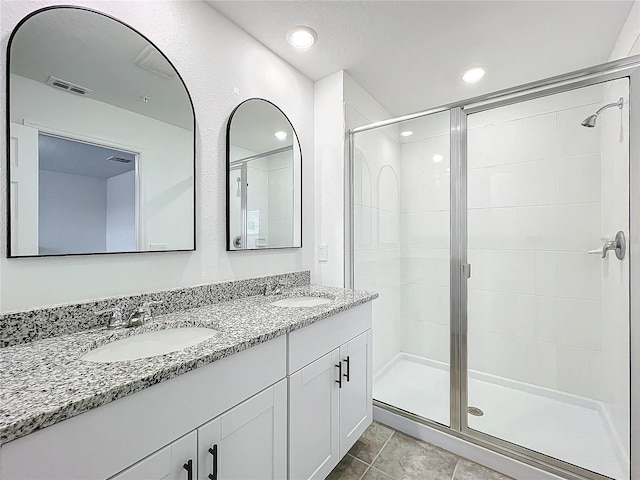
[401,250]
[548,320]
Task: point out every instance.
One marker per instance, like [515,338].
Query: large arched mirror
[264,178]
[101,147]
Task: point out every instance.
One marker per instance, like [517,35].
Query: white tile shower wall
[213,56]
[534,210]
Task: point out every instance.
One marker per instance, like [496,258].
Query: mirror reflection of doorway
[86,197]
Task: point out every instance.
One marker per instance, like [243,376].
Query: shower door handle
[619,245]
[466,270]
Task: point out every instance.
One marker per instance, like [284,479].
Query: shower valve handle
[619,245]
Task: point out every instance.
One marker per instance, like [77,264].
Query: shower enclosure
[489,229]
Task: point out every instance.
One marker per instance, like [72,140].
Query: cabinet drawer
[310,343]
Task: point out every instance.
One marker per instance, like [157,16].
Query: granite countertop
[45,382]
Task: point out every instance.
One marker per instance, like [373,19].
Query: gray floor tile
[370,443]
[349,468]
[375,474]
[467,470]
[407,458]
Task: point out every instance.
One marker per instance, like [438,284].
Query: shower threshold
[568,427]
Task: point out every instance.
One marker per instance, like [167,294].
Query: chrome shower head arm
[618,104]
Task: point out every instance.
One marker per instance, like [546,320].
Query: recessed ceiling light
[473,75]
[280,135]
[406,133]
[145,99]
[302,37]
[438,158]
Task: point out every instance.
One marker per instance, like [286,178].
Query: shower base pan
[568,427]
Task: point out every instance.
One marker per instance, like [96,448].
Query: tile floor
[386,454]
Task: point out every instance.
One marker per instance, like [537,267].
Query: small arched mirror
[264,178]
[101,139]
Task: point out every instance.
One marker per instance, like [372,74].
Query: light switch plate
[323,253]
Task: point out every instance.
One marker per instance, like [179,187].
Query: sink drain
[475,411]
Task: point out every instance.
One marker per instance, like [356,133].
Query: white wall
[121,212]
[214,57]
[72,213]
[330,157]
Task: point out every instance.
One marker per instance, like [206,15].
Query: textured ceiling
[410,55]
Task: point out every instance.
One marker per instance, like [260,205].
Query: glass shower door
[401,250]
[547,310]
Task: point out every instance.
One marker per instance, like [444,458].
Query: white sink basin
[305,301]
[149,344]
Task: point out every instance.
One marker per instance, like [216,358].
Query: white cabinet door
[176,461]
[356,407]
[313,419]
[248,442]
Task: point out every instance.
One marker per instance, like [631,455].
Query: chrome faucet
[117,320]
[139,316]
[142,314]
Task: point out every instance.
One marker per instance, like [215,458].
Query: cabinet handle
[189,468]
[339,381]
[214,466]
[346,360]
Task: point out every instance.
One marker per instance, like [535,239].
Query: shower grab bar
[619,245]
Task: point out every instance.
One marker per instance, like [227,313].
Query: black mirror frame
[8,134]
[227,177]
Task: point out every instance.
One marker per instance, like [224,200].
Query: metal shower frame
[624,68]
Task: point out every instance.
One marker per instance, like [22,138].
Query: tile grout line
[377,455]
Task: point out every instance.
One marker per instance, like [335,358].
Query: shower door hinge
[466,270]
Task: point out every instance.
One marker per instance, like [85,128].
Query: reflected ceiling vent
[113,158]
[153,61]
[68,86]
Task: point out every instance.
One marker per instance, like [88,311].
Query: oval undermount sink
[304,301]
[149,344]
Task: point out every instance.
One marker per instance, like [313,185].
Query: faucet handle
[274,288]
[116,316]
[146,306]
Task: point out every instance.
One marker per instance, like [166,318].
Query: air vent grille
[153,61]
[113,158]
[68,86]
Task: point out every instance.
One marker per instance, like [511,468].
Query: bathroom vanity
[278,392]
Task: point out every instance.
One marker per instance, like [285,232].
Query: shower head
[590,121]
